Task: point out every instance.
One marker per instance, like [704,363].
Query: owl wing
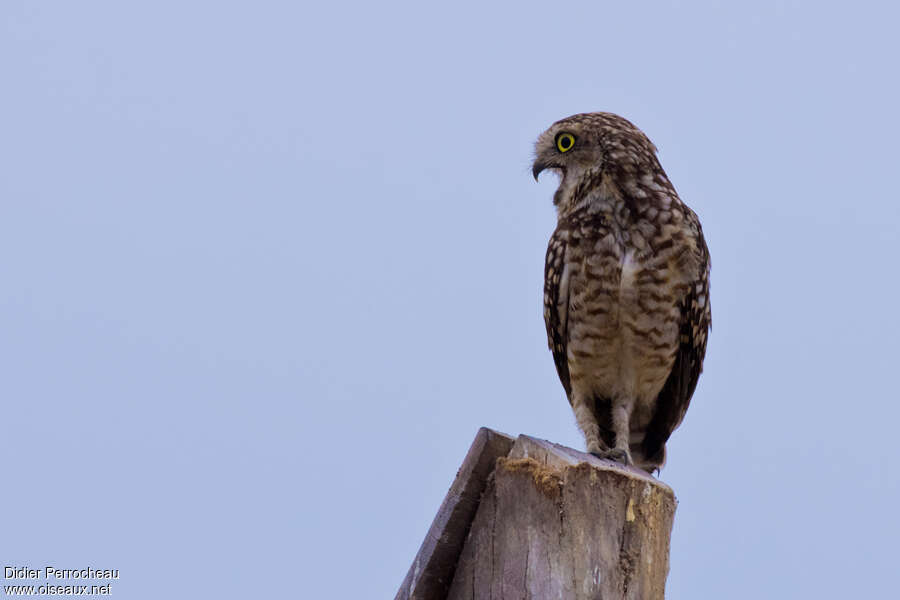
[556,303]
[673,400]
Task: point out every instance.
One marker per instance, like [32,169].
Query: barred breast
[626,281]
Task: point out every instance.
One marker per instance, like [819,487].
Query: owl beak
[541,165]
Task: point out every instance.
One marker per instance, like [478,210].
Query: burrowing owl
[626,287]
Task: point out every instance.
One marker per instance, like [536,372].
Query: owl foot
[616,454]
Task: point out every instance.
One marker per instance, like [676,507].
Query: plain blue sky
[267,266]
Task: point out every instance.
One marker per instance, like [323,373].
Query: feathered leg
[619,420]
[587,422]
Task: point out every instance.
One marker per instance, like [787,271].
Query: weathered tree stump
[552,522]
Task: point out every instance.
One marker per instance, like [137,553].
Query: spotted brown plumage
[626,287]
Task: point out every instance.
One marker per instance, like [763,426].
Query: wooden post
[553,522]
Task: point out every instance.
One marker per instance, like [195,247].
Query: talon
[615,454]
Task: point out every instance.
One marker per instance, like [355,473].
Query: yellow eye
[565,142]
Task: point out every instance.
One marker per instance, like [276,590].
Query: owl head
[583,147]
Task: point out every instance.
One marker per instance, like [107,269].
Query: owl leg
[620,417]
[587,422]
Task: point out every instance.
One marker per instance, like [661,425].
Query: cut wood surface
[552,522]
